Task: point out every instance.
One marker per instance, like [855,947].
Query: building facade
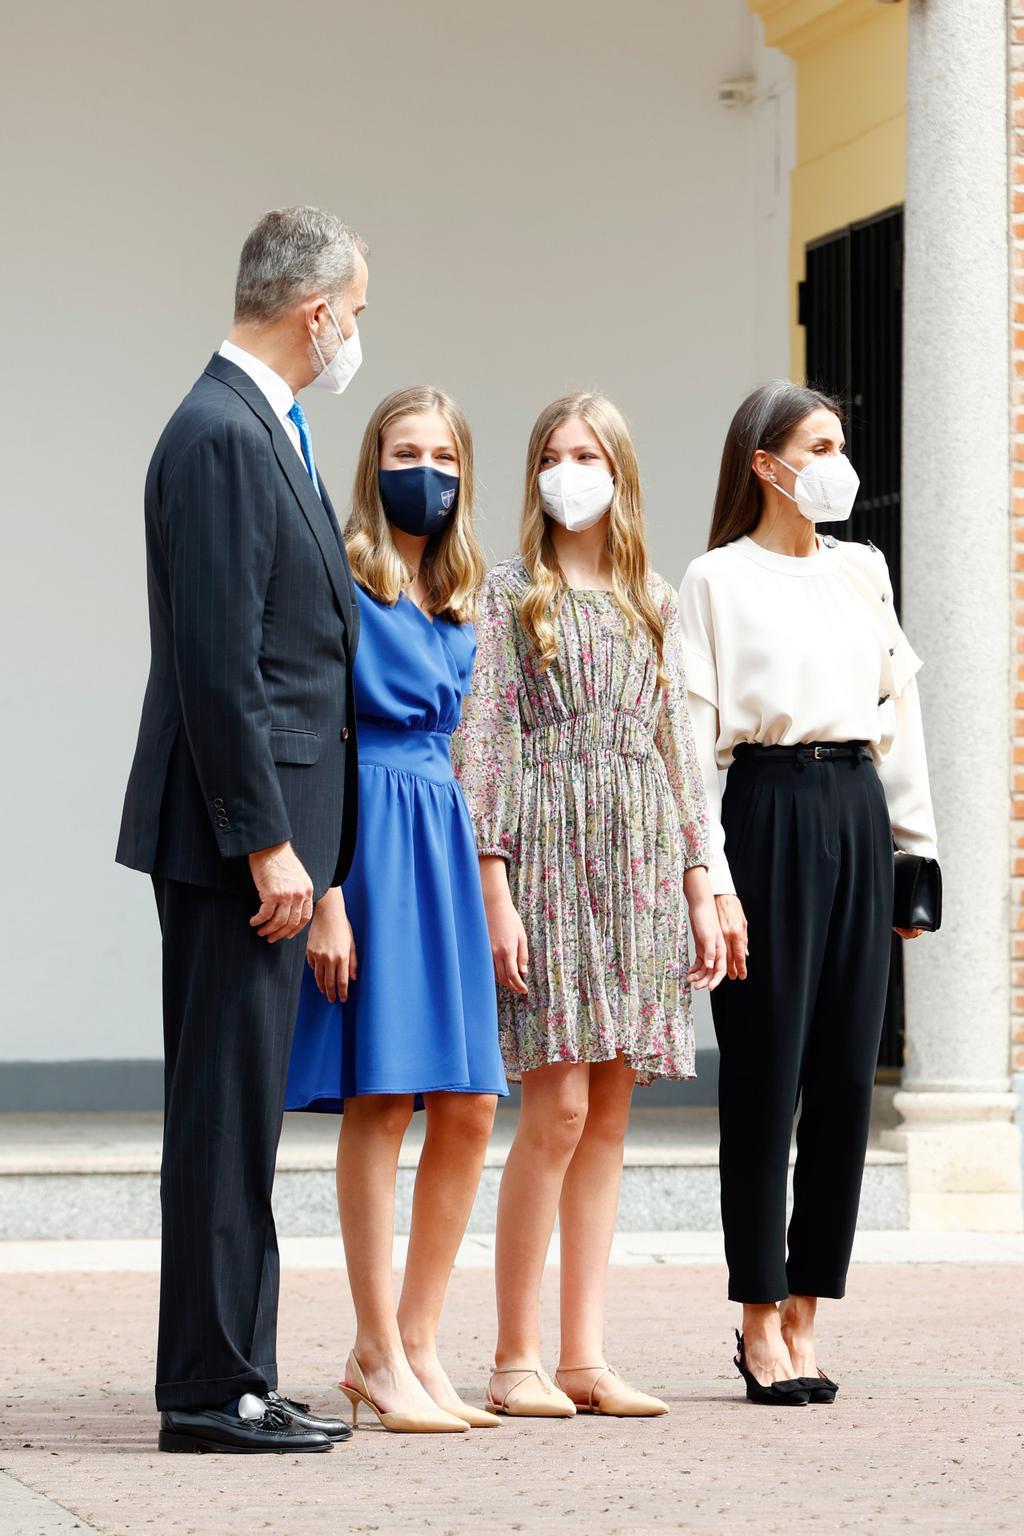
[546,211]
[753,187]
[905,110]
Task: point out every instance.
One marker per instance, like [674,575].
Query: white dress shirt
[271,384]
[783,649]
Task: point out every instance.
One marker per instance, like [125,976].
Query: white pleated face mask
[826,488]
[575,495]
[338,374]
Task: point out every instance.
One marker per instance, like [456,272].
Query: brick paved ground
[926,1435]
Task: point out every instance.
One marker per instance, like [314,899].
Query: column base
[963,1161]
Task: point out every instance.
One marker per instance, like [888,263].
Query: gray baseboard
[679,1197]
[127,1085]
[81,1085]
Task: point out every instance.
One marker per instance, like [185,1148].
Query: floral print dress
[584,778]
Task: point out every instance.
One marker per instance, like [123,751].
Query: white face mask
[826,488]
[338,374]
[575,495]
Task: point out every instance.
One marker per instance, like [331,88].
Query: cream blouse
[782,649]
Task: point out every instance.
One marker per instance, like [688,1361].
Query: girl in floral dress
[577,760]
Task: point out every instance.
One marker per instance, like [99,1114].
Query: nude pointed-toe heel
[621,1401]
[354,1398]
[530,1395]
[476,1418]
[436,1423]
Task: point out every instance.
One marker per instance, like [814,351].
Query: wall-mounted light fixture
[737,93]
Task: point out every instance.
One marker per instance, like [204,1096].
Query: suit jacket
[248,724]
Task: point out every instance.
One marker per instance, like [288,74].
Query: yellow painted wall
[851,63]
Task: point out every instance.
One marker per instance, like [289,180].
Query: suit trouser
[230,1001]
[810,849]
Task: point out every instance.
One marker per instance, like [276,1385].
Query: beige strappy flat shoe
[531,1394]
[621,1401]
[437,1423]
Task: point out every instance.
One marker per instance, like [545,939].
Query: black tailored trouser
[230,1001]
[810,849]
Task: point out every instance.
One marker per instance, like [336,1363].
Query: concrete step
[96,1175]
[121,1255]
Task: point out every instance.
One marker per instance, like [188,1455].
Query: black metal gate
[851,308]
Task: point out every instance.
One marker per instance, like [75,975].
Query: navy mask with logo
[419,500]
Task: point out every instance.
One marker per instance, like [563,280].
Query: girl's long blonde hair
[627,541]
[453,563]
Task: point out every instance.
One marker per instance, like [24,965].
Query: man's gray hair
[291,254]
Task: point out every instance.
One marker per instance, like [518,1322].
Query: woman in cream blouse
[803,698]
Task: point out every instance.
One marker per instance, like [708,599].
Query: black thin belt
[806,751]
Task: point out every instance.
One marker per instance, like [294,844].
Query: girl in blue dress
[398,1004]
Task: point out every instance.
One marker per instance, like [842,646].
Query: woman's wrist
[333,900]
[494,879]
[696,885]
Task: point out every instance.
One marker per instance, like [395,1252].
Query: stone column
[958,1128]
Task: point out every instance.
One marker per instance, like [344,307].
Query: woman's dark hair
[764,420]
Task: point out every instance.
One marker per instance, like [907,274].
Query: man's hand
[285,892]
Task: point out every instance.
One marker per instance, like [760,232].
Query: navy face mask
[419,500]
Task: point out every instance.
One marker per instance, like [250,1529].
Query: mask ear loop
[316,348]
[337,327]
[316,345]
[341,334]
[775,479]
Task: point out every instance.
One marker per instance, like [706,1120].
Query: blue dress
[421,1017]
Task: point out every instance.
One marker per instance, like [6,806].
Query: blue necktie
[298,415]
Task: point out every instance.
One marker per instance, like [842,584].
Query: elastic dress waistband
[588,735]
[428,754]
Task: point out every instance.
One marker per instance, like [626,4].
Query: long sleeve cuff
[493,850]
[903,771]
[920,843]
[704,716]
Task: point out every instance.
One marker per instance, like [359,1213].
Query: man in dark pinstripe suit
[242,806]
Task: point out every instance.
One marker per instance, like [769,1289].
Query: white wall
[553,199]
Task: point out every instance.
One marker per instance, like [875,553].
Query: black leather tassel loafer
[299,1413]
[257,1427]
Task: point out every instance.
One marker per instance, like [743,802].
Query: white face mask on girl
[826,488]
[575,495]
[338,374]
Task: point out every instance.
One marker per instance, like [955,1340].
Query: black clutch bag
[917,893]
